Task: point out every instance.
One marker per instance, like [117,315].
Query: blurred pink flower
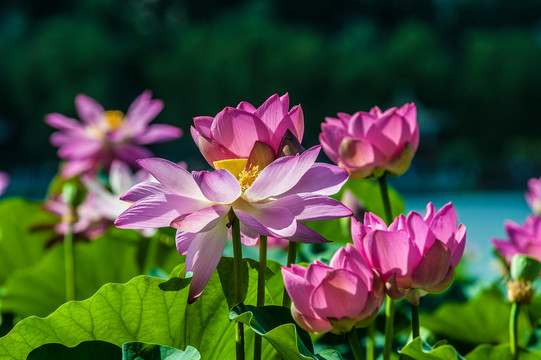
[87,220]
[346,293]
[414,255]
[103,136]
[533,195]
[4,181]
[245,132]
[368,144]
[200,205]
[525,239]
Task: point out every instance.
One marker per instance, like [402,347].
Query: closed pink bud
[414,255]
[368,144]
[335,297]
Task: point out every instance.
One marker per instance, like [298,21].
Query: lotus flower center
[113,119]
[237,167]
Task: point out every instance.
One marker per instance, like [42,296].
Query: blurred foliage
[471,67]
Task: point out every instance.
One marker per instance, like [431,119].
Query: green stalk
[389,328]
[237,273]
[385,197]
[354,344]
[69,263]
[152,250]
[370,345]
[291,259]
[415,328]
[513,329]
[389,306]
[261,276]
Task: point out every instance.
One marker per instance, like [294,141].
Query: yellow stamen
[247,177]
[114,119]
[237,167]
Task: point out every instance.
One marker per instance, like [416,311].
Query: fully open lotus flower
[103,136]
[525,239]
[200,205]
[4,181]
[368,144]
[414,255]
[245,132]
[334,297]
[533,195]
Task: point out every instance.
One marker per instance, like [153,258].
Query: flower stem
[513,329]
[370,344]
[389,306]
[415,328]
[237,273]
[69,263]
[385,198]
[261,276]
[291,259]
[389,328]
[354,344]
[152,250]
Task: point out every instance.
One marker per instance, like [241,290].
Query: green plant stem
[385,198]
[152,250]
[237,273]
[354,344]
[370,343]
[513,329]
[261,276]
[389,328]
[69,263]
[415,328]
[389,306]
[291,259]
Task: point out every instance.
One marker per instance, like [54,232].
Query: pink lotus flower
[525,240]
[4,181]
[334,297]
[107,135]
[533,195]
[414,255]
[200,205]
[368,144]
[245,132]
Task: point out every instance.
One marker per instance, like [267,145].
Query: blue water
[483,214]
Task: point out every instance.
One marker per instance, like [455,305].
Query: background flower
[525,239]
[4,181]
[367,144]
[104,136]
[346,293]
[533,195]
[414,255]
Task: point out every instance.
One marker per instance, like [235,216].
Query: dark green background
[472,67]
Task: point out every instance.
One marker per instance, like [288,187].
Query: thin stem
[69,263]
[152,250]
[291,259]
[370,343]
[237,273]
[354,344]
[389,328]
[415,328]
[389,307]
[513,329]
[385,197]
[261,276]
